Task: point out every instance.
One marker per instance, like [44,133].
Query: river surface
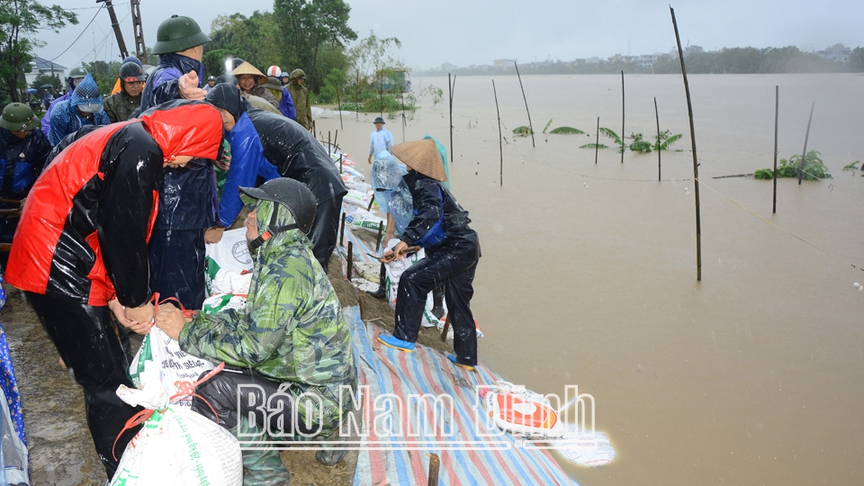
[589,271]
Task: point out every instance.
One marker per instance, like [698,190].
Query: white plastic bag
[175,446]
[175,367]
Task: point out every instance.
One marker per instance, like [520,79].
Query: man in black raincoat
[440,226]
[296,154]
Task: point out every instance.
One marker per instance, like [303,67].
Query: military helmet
[131,72]
[290,193]
[77,72]
[18,117]
[178,34]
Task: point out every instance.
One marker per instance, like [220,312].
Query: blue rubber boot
[396,343]
[452,358]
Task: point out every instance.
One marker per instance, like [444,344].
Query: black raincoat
[440,226]
[296,154]
[21,162]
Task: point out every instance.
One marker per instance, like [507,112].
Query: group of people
[123,211]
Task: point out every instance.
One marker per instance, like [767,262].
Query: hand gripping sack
[175,446]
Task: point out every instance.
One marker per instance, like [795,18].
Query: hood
[227,97]
[182,127]
[279,241]
[295,75]
[86,96]
[387,172]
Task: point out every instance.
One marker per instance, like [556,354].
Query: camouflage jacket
[292,329]
[119,106]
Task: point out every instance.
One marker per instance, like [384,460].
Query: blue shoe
[452,358]
[396,343]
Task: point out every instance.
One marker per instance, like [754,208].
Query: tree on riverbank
[19,22]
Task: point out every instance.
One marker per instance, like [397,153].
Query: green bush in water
[814,168]
[522,131]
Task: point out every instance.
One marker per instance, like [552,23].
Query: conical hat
[422,156]
[248,68]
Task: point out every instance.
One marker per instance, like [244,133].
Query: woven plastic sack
[230,253]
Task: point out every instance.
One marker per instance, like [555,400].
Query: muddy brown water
[588,275]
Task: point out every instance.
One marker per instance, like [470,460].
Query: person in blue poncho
[84,107]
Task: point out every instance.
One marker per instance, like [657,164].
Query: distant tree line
[739,60]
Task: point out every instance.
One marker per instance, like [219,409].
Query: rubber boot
[381,292]
[262,467]
[438,302]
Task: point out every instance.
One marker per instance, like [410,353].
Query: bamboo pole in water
[806,137]
[597,142]
[657,115]
[530,126]
[357,98]
[623,145]
[693,145]
[450,88]
[402,100]
[776,120]
[500,143]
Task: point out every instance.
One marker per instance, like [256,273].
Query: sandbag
[231,253]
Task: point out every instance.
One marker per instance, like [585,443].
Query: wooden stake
[402,100]
[693,145]
[350,260]
[806,137]
[450,89]
[623,145]
[339,104]
[329,147]
[335,138]
[446,328]
[776,120]
[500,142]
[371,202]
[361,301]
[342,230]
[380,233]
[657,115]
[340,163]
[597,141]
[530,126]
[434,466]
[357,98]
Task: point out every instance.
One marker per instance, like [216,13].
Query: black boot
[381,292]
[438,302]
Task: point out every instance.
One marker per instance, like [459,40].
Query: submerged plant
[593,145]
[665,139]
[640,145]
[608,132]
[522,131]
[852,166]
[547,126]
[813,168]
[566,131]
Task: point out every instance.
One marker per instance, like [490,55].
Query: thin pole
[450,88]
[339,104]
[350,259]
[434,465]
[380,233]
[806,137]
[530,126]
[776,120]
[657,115]
[340,163]
[335,138]
[357,98]
[402,99]
[381,91]
[597,141]
[371,202]
[342,230]
[329,147]
[622,117]
[500,143]
[693,144]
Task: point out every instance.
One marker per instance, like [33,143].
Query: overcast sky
[466,32]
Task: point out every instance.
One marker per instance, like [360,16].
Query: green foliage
[435,92]
[522,131]
[856,60]
[748,60]
[594,145]
[664,140]
[565,130]
[20,23]
[814,168]
[43,79]
[255,39]
[764,174]
[852,166]
[608,132]
[547,125]
[105,74]
[640,145]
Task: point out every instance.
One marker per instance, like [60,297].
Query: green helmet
[18,117]
[178,34]
[77,72]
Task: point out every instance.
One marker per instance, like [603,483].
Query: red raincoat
[84,229]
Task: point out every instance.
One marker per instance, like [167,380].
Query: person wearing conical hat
[440,226]
[250,80]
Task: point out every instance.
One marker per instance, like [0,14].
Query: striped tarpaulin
[398,434]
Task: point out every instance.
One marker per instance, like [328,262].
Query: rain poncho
[291,331]
[65,119]
[162,85]
[21,162]
[247,154]
[300,95]
[84,228]
[391,192]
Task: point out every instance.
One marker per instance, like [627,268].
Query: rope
[817,247]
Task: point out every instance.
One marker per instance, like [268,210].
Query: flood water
[588,276]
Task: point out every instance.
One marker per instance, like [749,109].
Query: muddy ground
[61,450]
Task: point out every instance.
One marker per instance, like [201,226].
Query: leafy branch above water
[813,168]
